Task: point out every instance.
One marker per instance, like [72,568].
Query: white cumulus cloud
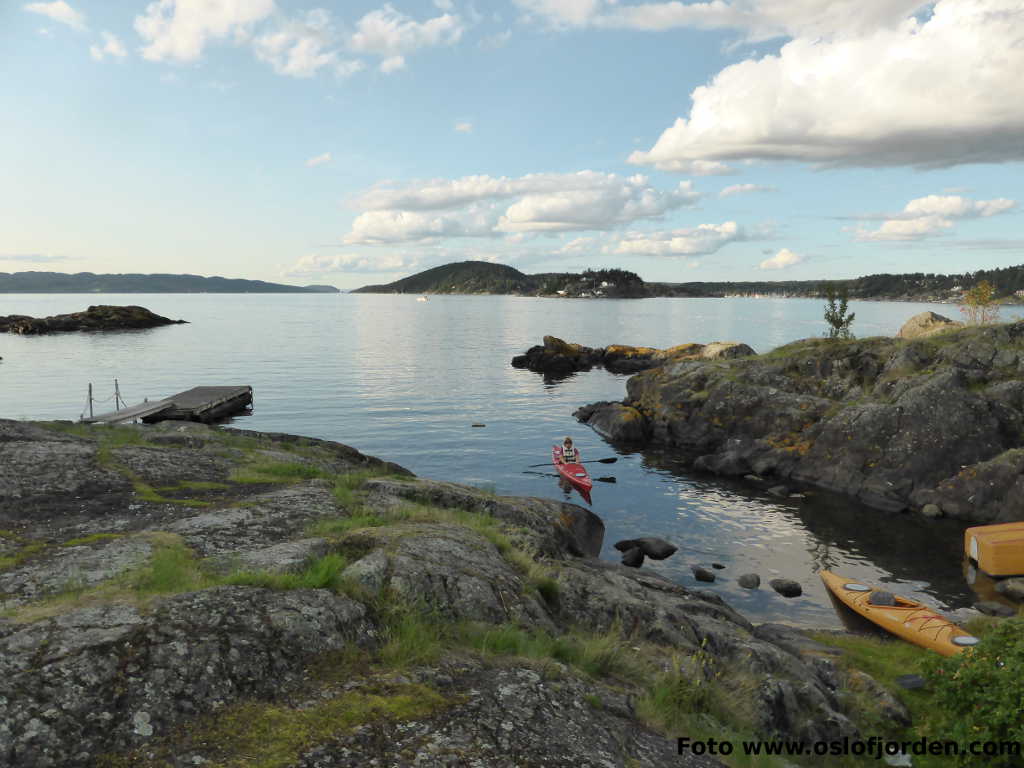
[464,127]
[697,241]
[111,47]
[59,11]
[757,19]
[782,259]
[298,48]
[323,159]
[392,35]
[475,206]
[933,215]
[742,189]
[313,265]
[179,30]
[931,93]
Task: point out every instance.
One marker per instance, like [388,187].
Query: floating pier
[204,404]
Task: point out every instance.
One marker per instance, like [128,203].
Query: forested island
[480,277]
[88,282]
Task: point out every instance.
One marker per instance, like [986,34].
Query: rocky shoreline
[102,317]
[179,594]
[932,421]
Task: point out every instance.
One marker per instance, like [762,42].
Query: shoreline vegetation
[478,277]
[281,601]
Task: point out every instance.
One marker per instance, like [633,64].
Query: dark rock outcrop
[651,546]
[935,422]
[103,317]
[560,358]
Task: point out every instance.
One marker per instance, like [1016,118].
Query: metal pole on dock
[90,399]
[117,396]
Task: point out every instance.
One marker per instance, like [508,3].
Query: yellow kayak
[907,619]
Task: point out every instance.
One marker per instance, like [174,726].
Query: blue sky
[359,142]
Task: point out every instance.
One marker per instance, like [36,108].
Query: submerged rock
[702,574]
[749,581]
[787,587]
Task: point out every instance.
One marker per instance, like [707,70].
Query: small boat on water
[908,619]
[422,298]
[575,474]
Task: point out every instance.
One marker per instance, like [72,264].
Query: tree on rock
[980,307]
[836,303]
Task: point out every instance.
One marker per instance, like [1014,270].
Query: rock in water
[1012,588]
[749,581]
[98,318]
[992,608]
[633,557]
[702,574]
[654,548]
[787,587]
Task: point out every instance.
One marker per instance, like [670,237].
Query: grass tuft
[323,573]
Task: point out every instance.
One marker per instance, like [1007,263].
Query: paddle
[609,460]
[608,479]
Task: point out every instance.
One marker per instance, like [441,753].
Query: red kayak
[575,474]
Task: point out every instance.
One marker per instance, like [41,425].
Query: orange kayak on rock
[907,619]
[575,474]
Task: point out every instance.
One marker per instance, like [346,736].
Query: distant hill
[87,282]
[485,277]
[461,277]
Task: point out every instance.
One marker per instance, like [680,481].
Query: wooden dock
[197,404]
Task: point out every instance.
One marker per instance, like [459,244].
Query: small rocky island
[932,420]
[103,317]
[181,595]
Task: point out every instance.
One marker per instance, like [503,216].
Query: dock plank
[196,404]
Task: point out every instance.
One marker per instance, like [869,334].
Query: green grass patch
[195,485]
[92,539]
[277,472]
[265,735]
[412,635]
[25,552]
[172,568]
[323,573]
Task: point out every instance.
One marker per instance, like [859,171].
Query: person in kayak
[569,453]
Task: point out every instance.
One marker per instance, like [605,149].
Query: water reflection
[405,380]
[750,531]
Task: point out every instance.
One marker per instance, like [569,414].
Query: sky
[360,142]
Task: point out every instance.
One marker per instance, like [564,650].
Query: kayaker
[569,453]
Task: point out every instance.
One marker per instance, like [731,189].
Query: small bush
[978,694]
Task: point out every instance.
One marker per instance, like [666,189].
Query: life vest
[570,455]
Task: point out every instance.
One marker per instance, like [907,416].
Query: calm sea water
[405,380]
